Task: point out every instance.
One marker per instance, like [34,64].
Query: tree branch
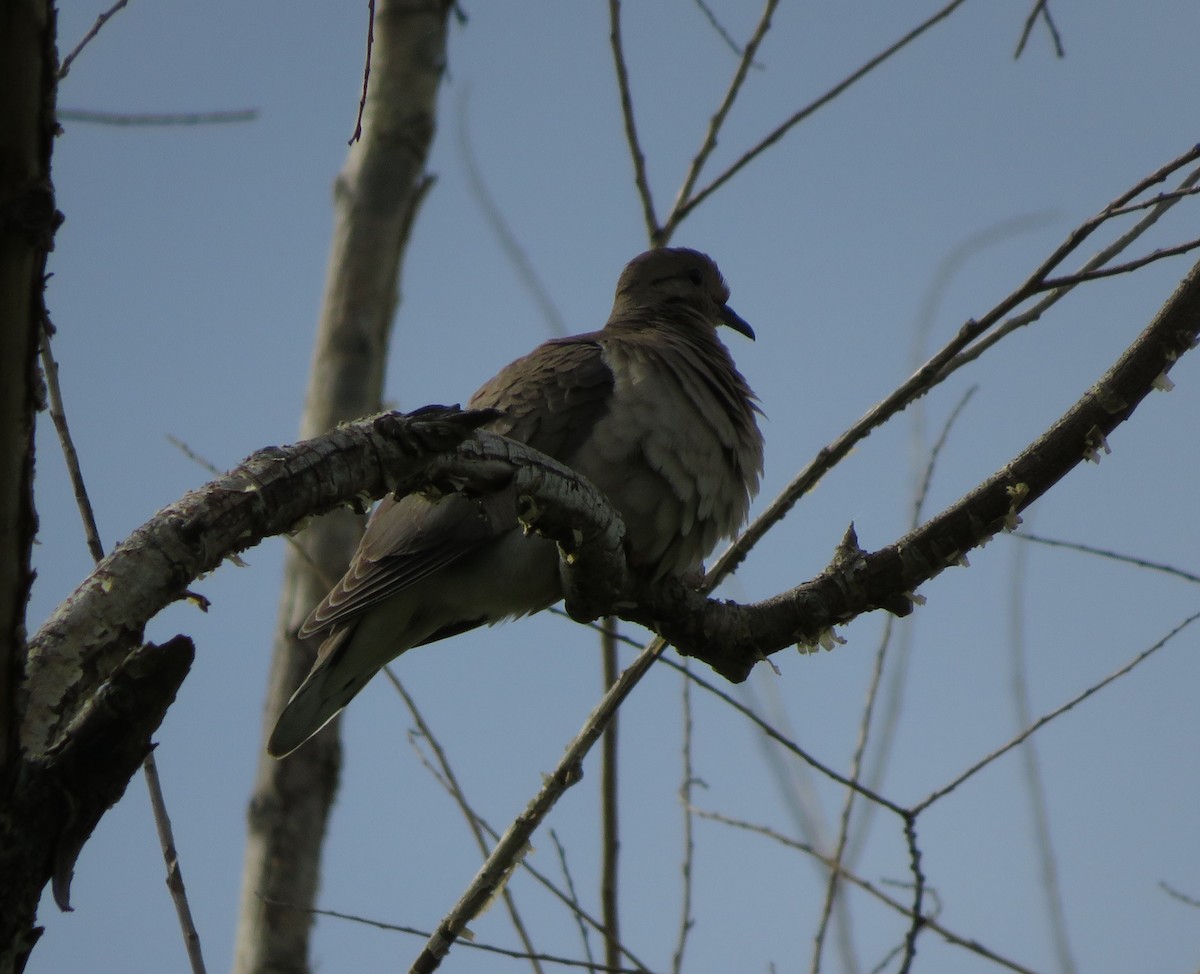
[273,492]
[731,638]
[86,639]
[275,489]
[377,196]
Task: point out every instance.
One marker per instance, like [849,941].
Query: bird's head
[676,281]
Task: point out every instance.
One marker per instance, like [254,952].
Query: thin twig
[516,838]
[781,130]
[1043,840]
[162,821]
[166,840]
[488,948]
[450,780]
[831,886]
[1158,207]
[58,414]
[1070,280]
[1172,892]
[724,34]
[916,913]
[1105,553]
[864,728]
[783,741]
[569,899]
[577,910]
[610,812]
[1186,188]
[934,371]
[103,19]
[884,733]
[158,119]
[192,455]
[686,922]
[494,217]
[1041,8]
[362,100]
[631,137]
[866,886]
[1052,715]
[718,119]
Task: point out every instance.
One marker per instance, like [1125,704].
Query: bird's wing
[406,540]
[553,397]
[549,399]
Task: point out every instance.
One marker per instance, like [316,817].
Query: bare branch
[151,119]
[772,732]
[162,819]
[67,790]
[445,774]
[1070,280]
[916,911]
[684,208]
[1175,894]
[936,369]
[718,119]
[67,445]
[362,100]
[1050,888]
[724,34]
[569,899]
[166,841]
[572,896]
[488,948]
[866,886]
[730,638]
[686,787]
[1158,206]
[1040,9]
[653,230]
[269,494]
[103,19]
[515,842]
[1052,715]
[610,810]
[1105,553]
[526,273]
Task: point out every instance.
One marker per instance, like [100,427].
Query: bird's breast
[677,452]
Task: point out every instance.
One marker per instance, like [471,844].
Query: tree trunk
[377,195]
[28,63]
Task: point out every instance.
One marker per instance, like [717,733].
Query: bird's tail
[325,691]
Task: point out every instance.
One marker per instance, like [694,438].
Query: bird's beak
[733,320]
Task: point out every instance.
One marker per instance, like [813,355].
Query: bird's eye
[695,275]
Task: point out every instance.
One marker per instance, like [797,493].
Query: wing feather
[549,399]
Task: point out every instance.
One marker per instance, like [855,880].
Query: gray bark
[377,195]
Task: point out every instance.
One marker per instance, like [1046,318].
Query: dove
[651,409]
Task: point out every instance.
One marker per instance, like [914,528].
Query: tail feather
[322,695]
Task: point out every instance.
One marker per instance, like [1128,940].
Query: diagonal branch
[718,119]
[731,638]
[273,492]
[90,634]
[277,488]
[684,207]
[952,356]
[631,137]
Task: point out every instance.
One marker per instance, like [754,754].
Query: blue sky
[187,278]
